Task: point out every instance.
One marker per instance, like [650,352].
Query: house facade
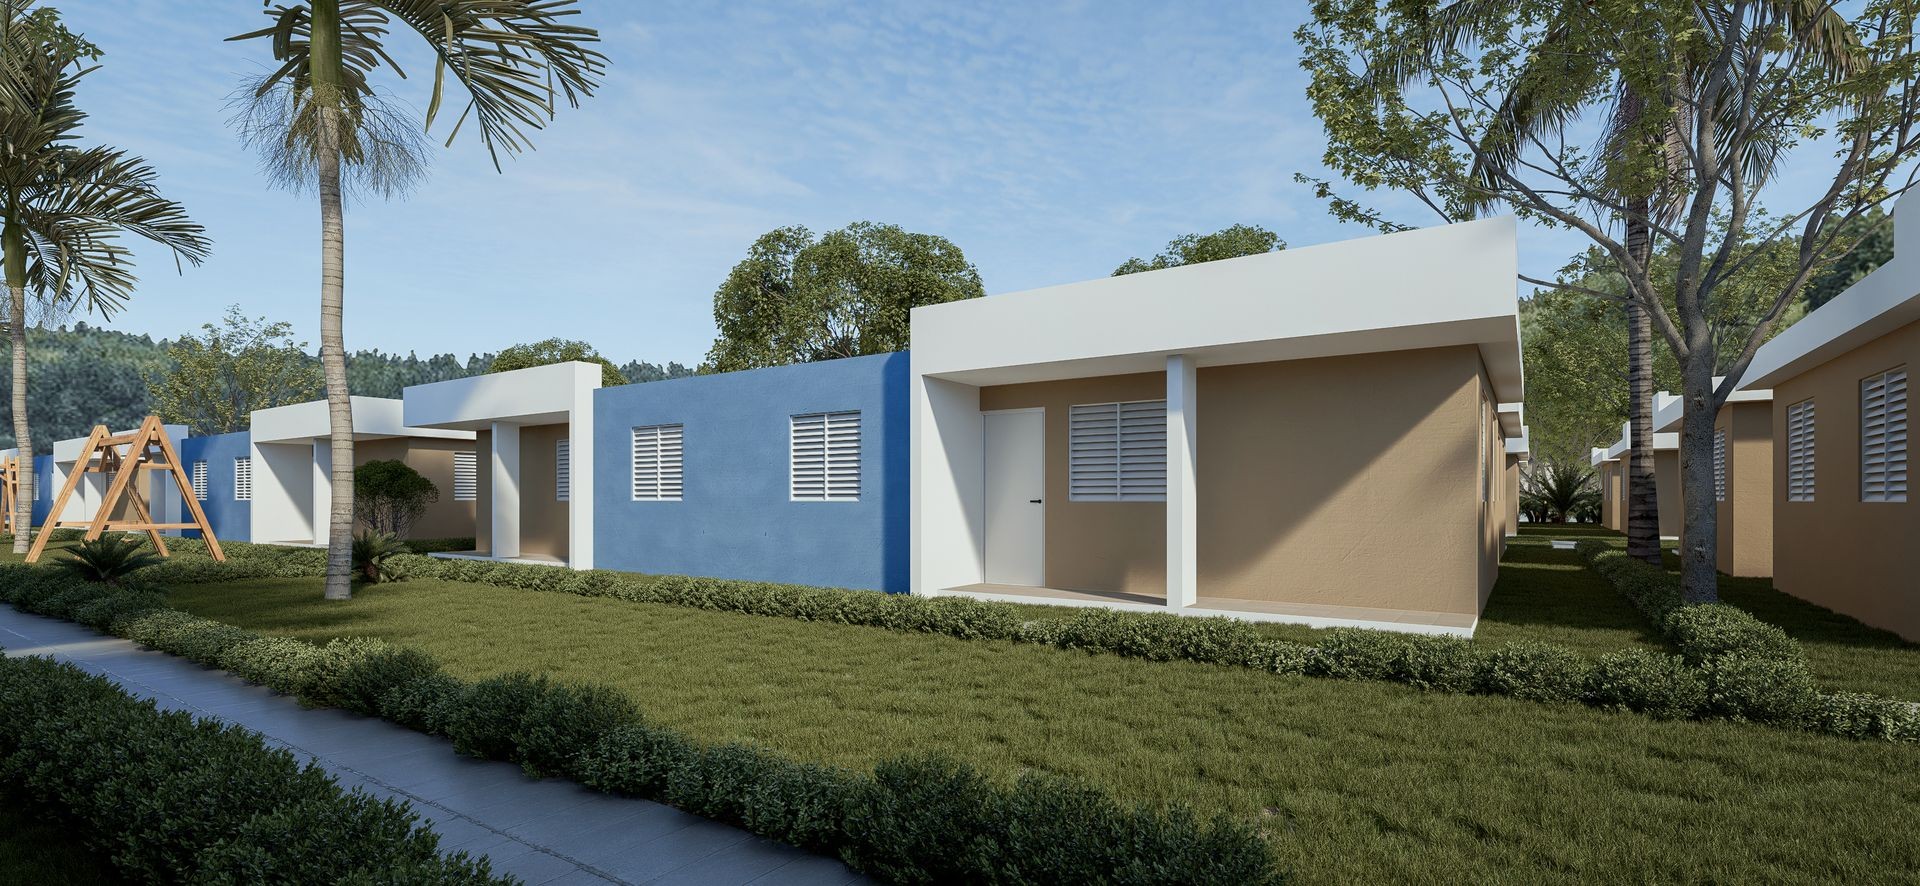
[1251,437]
[292,465]
[1844,523]
[1610,469]
[1742,450]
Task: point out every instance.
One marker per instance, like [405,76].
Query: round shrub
[1742,687]
[1533,671]
[1651,683]
[1705,631]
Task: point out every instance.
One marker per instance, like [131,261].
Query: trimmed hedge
[166,798]
[888,822]
[1731,665]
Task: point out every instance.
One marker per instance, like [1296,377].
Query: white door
[1016,475]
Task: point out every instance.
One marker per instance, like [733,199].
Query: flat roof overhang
[374,418]
[1667,417]
[1437,287]
[539,395]
[1882,302]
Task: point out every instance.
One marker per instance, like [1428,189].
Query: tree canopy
[556,350]
[218,378]
[1233,241]
[797,298]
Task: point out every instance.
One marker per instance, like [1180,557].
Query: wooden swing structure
[9,491]
[146,449]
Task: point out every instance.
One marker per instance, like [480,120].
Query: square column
[1183,512]
[322,515]
[503,471]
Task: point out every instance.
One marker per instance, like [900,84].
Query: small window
[466,476]
[1117,451]
[1800,422]
[563,470]
[1883,436]
[243,479]
[656,463]
[823,457]
[1719,465]
[200,479]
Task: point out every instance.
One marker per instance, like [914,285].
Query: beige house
[1610,469]
[1742,481]
[291,466]
[1314,436]
[1846,533]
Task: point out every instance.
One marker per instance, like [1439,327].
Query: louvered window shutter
[200,480]
[824,457]
[1719,465]
[1800,450]
[243,478]
[1883,437]
[1117,451]
[466,476]
[657,473]
[563,470]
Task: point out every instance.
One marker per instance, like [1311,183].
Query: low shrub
[167,798]
[1534,671]
[1651,683]
[1861,716]
[1776,691]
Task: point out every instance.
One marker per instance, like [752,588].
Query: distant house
[1311,436]
[1742,453]
[1846,533]
[1610,467]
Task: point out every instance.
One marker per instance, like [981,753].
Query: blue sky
[1050,141]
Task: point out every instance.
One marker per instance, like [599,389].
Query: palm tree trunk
[13,245]
[1643,497]
[325,66]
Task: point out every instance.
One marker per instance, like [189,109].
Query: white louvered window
[824,457]
[200,479]
[243,479]
[466,476]
[1800,451]
[1117,451]
[1719,465]
[656,463]
[1883,436]
[563,470]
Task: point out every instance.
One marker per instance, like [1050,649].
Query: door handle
[1033,501]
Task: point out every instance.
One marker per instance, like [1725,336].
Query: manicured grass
[1551,596]
[37,852]
[1843,653]
[1354,782]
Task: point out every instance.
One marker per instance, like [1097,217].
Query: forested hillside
[82,376]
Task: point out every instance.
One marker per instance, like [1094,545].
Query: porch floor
[1319,615]
[529,559]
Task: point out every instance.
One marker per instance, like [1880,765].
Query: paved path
[551,831]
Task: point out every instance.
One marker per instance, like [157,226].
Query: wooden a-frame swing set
[146,449]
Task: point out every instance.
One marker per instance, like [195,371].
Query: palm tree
[62,207]
[1559,491]
[319,123]
[1642,141]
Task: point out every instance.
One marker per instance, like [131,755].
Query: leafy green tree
[1874,235]
[320,124]
[1559,491]
[556,350]
[83,376]
[797,299]
[389,495]
[1425,101]
[218,378]
[63,208]
[1192,249]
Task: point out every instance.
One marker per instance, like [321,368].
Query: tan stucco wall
[1859,558]
[445,518]
[1613,495]
[543,521]
[1744,522]
[1666,483]
[1345,480]
[1513,495]
[1101,546]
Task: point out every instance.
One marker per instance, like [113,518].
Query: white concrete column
[321,517]
[1183,513]
[580,492]
[503,471]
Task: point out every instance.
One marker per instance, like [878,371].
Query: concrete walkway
[551,831]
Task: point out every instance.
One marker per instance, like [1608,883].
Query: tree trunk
[327,93]
[1643,495]
[13,245]
[1699,579]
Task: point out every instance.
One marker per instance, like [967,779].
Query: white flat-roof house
[1314,436]
[533,435]
[293,468]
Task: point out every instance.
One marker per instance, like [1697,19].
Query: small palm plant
[372,556]
[1560,490]
[109,558]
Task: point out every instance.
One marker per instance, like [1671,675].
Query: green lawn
[35,852]
[1353,782]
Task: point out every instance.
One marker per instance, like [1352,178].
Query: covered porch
[293,468]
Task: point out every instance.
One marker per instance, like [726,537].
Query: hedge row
[1751,670]
[913,819]
[1695,684]
[166,798]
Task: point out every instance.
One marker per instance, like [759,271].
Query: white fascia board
[68,451]
[534,396]
[374,418]
[1884,301]
[1667,417]
[1513,418]
[1597,456]
[1449,285]
[1522,444]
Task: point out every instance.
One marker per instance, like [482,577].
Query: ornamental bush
[1651,683]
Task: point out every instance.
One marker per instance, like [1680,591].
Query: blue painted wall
[231,519]
[735,519]
[43,490]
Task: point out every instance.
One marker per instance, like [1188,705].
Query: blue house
[221,468]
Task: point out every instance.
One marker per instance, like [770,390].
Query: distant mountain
[82,376]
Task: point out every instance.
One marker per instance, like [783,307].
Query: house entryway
[1016,511]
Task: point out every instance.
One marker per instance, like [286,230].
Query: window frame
[660,453]
[1892,467]
[833,482]
[1802,451]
